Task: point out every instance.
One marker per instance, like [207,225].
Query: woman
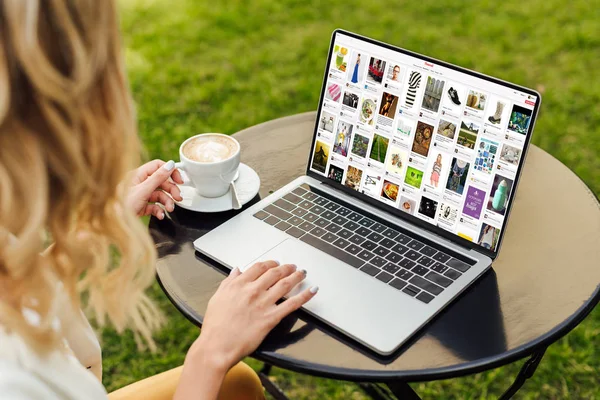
[67,140]
[436,171]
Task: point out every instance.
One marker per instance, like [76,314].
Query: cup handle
[181,168]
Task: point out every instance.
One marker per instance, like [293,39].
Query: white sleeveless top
[73,374]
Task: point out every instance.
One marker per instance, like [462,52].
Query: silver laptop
[411,175]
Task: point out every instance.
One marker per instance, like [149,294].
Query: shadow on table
[471,328]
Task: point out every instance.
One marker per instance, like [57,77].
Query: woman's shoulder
[25,374]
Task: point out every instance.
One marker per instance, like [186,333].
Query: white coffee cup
[210,169]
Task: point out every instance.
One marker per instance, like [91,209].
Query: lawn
[199,66]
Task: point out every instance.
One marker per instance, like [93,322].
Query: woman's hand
[151,186]
[239,316]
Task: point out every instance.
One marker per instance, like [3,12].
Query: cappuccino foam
[210,149]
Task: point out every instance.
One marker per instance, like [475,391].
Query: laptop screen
[442,144]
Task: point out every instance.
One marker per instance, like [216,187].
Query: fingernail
[169,165]
[303,271]
[294,266]
[161,215]
[276,262]
[314,289]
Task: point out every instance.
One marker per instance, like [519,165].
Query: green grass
[379,148]
[199,66]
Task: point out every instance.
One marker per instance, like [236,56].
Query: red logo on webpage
[428,64]
[531,103]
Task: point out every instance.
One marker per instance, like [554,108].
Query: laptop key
[295,220]
[299,191]
[413,255]
[387,243]
[398,284]
[425,297]
[371,270]
[428,251]
[306,226]
[437,278]
[300,212]
[381,251]
[305,204]
[283,226]
[353,249]
[295,232]
[365,255]
[334,228]
[411,290]
[394,257]
[322,222]
[363,231]
[261,214]
[339,220]
[384,277]
[459,265]
[329,237]
[400,249]
[272,220]
[310,196]
[286,205]
[404,274]
[441,268]
[406,263]
[391,268]
[318,232]
[310,217]
[321,201]
[341,243]
[374,236]
[419,270]
[452,274]
[367,244]
[357,239]
[366,222]
[378,261]
[351,225]
[292,198]
[354,217]
[425,285]
[345,233]
[377,227]
[390,233]
[415,245]
[441,257]
[332,250]
[278,212]
[329,215]
[403,239]
[426,261]
[343,211]
[332,206]
[317,210]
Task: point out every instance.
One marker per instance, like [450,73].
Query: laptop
[411,175]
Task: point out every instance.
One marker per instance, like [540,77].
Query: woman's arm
[238,317]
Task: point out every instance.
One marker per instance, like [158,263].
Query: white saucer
[247,186]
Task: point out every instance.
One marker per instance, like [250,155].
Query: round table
[543,284]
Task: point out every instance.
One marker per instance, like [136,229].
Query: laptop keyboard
[394,258]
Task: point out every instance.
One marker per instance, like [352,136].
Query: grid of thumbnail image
[440,150]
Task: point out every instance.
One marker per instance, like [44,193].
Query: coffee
[210,149]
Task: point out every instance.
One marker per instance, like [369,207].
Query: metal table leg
[389,391]
[525,373]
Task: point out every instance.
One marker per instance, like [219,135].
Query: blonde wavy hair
[67,139]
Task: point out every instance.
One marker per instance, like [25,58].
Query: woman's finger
[154,209]
[158,196]
[274,275]
[284,285]
[295,302]
[172,189]
[255,271]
